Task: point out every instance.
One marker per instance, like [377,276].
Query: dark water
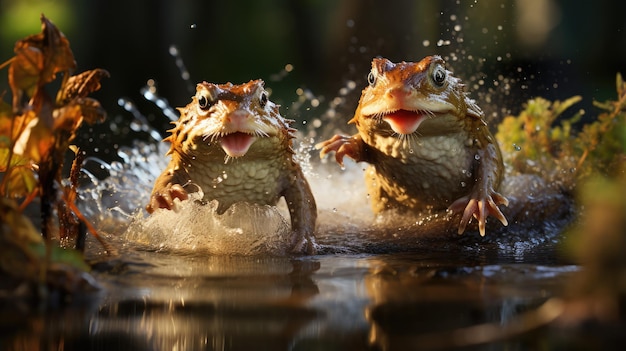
[156,301]
[165,301]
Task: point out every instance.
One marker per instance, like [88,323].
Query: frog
[427,144]
[232,144]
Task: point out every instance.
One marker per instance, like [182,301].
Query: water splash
[193,227]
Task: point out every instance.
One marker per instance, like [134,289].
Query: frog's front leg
[167,187]
[303,213]
[483,200]
[343,145]
[164,197]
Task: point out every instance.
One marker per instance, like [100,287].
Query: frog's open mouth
[236,144]
[404,121]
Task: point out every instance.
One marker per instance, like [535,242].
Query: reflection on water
[165,301]
[216,303]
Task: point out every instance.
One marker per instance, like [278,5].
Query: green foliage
[540,141]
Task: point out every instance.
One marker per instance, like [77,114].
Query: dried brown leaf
[35,141]
[92,111]
[38,58]
[81,85]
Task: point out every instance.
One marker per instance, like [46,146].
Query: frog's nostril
[397,94]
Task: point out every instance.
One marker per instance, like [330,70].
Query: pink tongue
[404,122]
[236,144]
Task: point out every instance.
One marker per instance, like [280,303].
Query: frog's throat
[236,144]
[404,121]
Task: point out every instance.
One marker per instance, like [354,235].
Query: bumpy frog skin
[426,142]
[232,143]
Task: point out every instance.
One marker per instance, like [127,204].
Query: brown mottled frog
[233,144]
[427,142]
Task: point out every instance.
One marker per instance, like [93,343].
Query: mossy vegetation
[562,150]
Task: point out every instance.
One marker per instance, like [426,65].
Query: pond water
[397,301]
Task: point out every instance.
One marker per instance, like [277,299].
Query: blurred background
[315,55]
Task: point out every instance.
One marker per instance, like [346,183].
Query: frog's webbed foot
[164,198]
[342,145]
[479,207]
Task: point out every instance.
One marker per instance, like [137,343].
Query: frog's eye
[205,100]
[371,79]
[263,99]
[439,76]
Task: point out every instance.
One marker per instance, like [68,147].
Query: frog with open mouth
[232,143]
[427,142]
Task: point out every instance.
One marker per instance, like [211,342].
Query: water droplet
[517,147]
[193,26]
[477,157]
[335,209]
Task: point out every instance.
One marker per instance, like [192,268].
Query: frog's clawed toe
[164,198]
[479,209]
[342,145]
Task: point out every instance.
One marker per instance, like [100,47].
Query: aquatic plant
[36,132]
[541,141]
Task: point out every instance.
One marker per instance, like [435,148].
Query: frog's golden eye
[439,76]
[371,79]
[263,99]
